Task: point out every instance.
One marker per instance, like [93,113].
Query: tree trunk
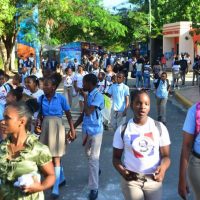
[9,43]
[2,51]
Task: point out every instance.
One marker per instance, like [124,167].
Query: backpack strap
[7,87]
[96,107]
[158,126]
[197,119]
[123,129]
[157,83]
[40,114]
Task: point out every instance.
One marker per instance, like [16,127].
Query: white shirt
[139,67]
[176,68]
[96,71]
[64,66]
[3,94]
[26,91]
[141,145]
[109,76]
[79,78]
[103,87]
[68,80]
[38,74]
[37,94]
[31,59]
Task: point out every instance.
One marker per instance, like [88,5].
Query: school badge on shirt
[142,145]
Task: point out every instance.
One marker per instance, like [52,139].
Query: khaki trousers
[140,190]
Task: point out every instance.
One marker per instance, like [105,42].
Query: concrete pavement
[187,95]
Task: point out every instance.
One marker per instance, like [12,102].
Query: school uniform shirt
[93,123]
[96,72]
[4,89]
[68,80]
[23,78]
[64,66]
[38,74]
[141,145]
[2,108]
[162,91]
[109,76]
[176,68]
[139,67]
[55,107]
[118,93]
[79,78]
[147,69]
[190,126]
[26,91]
[103,86]
[37,94]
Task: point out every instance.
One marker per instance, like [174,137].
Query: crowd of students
[33,136]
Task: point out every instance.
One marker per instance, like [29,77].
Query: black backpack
[158,82]
[124,126]
[183,64]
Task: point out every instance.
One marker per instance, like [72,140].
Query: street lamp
[150,55]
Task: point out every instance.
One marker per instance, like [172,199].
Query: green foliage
[60,21]
[87,21]
[169,11]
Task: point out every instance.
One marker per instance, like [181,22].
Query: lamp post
[150,55]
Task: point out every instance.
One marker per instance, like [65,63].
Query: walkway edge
[183,100]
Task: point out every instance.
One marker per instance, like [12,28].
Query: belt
[138,176]
[196,155]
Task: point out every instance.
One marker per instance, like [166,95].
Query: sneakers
[93,194]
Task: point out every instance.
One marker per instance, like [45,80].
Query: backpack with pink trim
[197,120]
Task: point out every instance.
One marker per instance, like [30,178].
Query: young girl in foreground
[145,144]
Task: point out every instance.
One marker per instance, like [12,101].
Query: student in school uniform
[120,97]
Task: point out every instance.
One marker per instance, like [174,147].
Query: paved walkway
[187,95]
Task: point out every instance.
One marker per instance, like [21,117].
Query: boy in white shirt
[78,84]
[68,85]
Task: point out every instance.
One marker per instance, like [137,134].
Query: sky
[111,3]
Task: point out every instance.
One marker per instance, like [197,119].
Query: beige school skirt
[53,135]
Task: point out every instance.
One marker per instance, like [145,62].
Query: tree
[60,21]
[168,12]
[87,21]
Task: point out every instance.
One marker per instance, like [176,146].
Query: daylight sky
[110,3]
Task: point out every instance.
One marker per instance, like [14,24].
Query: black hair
[121,72]
[32,105]
[176,62]
[67,69]
[55,79]
[41,79]
[136,93]
[18,78]
[81,66]
[1,72]
[103,74]
[25,109]
[34,79]
[18,93]
[91,78]
[156,62]
[164,73]
[31,71]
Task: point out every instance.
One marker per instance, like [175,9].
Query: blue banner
[71,51]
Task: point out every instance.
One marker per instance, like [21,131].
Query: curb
[183,100]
